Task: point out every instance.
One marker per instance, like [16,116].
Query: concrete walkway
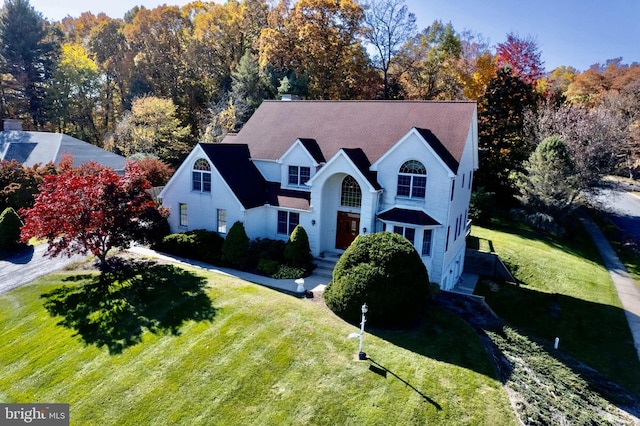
[628,292]
[314,282]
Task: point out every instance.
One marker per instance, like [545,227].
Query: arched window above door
[350,195]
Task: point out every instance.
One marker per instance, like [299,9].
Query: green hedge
[198,244]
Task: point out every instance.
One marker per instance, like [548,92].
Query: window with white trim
[183,214]
[427,236]
[299,175]
[201,176]
[287,221]
[408,233]
[350,195]
[222,221]
[412,180]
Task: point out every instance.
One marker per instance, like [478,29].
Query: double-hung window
[183,214]
[299,175]
[287,221]
[412,180]
[426,242]
[222,221]
[201,176]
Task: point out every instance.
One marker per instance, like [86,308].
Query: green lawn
[564,292]
[175,346]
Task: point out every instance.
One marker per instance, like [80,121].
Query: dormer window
[299,175]
[201,176]
[412,180]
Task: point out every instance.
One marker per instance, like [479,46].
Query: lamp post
[361,355]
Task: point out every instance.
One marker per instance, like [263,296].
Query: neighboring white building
[339,169]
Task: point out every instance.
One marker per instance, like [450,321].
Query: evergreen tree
[247,88]
[297,252]
[26,56]
[10,224]
[235,249]
[549,184]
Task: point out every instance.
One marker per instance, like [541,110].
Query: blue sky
[569,32]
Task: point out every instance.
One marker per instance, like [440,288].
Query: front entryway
[347,229]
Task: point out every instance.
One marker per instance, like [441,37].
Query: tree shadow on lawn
[594,339]
[114,308]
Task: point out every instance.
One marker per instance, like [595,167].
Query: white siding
[297,156]
[459,207]
[269,169]
[325,200]
[201,206]
[436,201]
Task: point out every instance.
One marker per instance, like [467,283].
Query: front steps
[325,264]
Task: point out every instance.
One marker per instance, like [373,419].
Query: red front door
[347,229]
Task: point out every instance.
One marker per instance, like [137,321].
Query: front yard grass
[245,355]
[564,292]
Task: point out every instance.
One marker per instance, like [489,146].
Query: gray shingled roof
[30,148]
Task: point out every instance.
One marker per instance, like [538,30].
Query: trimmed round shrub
[235,250]
[384,271]
[297,252]
[10,224]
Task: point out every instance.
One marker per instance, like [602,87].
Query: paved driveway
[622,207]
[28,265]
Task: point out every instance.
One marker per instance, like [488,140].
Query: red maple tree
[88,209]
[524,57]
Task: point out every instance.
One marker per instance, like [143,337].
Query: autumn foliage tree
[89,209]
[332,54]
[155,170]
[523,56]
[19,184]
[430,61]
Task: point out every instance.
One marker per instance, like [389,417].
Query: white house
[339,169]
